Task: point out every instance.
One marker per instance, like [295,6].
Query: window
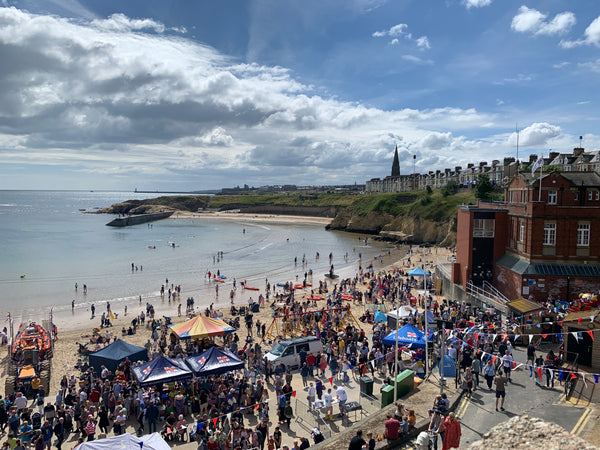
[552,196]
[567,168]
[521,230]
[575,196]
[597,195]
[549,234]
[583,235]
[590,195]
[483,227]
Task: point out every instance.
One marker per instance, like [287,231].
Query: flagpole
[426,309]
[396,357]
[541,172]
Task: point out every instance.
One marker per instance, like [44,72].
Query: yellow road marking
[463,407]
[579,426]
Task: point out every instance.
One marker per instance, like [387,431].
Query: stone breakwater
[138,218]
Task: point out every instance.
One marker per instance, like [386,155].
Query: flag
[591,333]
[215,420]
[530,371]
[596,378]
[112,316]
[539,163]
[539,372]
[331,381]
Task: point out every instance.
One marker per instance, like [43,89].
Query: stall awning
[524,306]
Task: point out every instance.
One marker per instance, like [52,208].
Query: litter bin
[366,386]
[405,382]
[387,396]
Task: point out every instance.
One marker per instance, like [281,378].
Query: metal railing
[483,295]
[444,270]
[309,418]
[487,286]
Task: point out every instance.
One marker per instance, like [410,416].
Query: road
[478,414]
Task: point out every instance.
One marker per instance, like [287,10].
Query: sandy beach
[264,218]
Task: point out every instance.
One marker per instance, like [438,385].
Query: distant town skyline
[186,96]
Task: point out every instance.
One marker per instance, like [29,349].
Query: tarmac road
[478,414]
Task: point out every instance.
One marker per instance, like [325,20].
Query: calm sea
[47,244]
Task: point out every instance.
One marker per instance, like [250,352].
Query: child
[370,441]
[412,419]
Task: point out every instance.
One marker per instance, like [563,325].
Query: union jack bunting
[222,359]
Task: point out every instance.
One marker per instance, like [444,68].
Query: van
[288,351]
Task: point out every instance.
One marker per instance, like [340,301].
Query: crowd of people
[253,407]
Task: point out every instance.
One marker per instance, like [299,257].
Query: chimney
[457,168]
[483,164]
[470,166]
[447,170]
[509,160]
[578,151]
[553,155]
[532,159]
[495,162]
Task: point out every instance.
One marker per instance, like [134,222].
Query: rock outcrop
[530,433]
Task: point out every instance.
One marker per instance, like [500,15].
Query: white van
[288,351]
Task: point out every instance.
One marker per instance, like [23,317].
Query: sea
[50,241]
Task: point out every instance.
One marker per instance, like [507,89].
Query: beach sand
[77,326]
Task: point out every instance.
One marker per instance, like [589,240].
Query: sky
[191,95]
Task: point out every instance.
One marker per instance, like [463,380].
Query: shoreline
[264,218]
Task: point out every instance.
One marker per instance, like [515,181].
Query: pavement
[478,413]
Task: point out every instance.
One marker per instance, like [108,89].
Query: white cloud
[417,60]
[536,134]
[423,43]
[532,21]
[594,66]
[436,140]
[476,3]
[521,78]
[400,31]
[561,65]
[591,36]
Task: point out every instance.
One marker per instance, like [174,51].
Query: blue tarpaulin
[379,317]
[214,360]
[407,336]
[161,370]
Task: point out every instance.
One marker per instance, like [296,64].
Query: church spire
[396,164]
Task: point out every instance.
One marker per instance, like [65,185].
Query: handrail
[444,270]
[500,296]
[476,290]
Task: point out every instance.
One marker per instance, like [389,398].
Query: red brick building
[534,244]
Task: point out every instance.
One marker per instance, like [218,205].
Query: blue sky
[187,95]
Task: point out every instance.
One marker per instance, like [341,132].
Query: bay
[47,244]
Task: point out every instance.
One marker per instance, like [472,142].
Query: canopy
[161,370]
[214,360]
[127,442]
[114,354]
[200,327]
[418,272]
[403,311]
[407,336]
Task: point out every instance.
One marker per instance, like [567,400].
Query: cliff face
[407,229]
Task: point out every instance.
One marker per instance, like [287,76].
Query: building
[582,346]
[538,243]
[498,173]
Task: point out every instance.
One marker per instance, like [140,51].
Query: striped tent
[200,327]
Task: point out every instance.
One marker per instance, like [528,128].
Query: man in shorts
[507,361]
[500,381]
